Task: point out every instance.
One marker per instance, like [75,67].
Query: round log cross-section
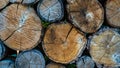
[24,1]
[50,10]
[113,12]
[3,3]
[20,27]
[30,59]
[105,47]
[87,15]
[55,65]
[63,43]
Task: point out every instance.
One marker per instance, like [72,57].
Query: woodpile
[59,34]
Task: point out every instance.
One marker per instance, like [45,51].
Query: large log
[50,10]
[30,59]
[3,3]
[85,62]
[55,65]
[2,50]
[20,27]
[63,43]
[105,47]
[87,15]
[24,1]
[113,12]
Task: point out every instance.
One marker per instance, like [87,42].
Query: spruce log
[85,62]
[113,12]
[87,15]
[105,47]
[2,50]
[50,10]
[63,43]
[20,27]
[24,1]
[3,3]
[55,65]
[30,59]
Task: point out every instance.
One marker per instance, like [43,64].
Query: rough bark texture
[24,1]
[63,43]
[54,65]
[51,10]
[2,50]
[105,48]
[30,59]
[87,15]
[20,27]
[85,62]
[7,63]
[3,3]
[113,12]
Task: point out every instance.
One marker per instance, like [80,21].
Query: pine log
[63,43]
[55,65]
[30,59]
[2,50]
[87,15]
[85,62]
[105,47]
[20,27]
[50,10]
[113,12]
[7,63]
[3,3]
[26,2]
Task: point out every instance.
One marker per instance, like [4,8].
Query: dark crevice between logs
[6,6]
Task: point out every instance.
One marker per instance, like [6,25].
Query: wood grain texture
[50,10]
[7,63]
[63,43]
[20,27]
[30,59]
[3,3]
[55,65]
[87,15]
[24,1]
[105,47]
[2,50]
[113,12]
[85,62]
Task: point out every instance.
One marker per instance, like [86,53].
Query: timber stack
[59,33]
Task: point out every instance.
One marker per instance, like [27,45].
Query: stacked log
[3,3]
[54,65]
[2,50]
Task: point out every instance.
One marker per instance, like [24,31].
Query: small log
[20,27]
[63,43]
[105,47]
[55,65]
[85,62]
[113,12]
[30,59]
[87,15]
[50,10]
[2,50]
[7,63]
[26,2]
[3,3]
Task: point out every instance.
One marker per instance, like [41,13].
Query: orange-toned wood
[20,27]
[63,43]
[87,15]
[55,65]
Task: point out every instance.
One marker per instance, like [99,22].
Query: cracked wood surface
[24,1]
[105,48]
[3,3]
[20,27]
[113,12]
[51,10]
[85,62]
[55,65]
[87,15]
[30,59]
[63,43]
